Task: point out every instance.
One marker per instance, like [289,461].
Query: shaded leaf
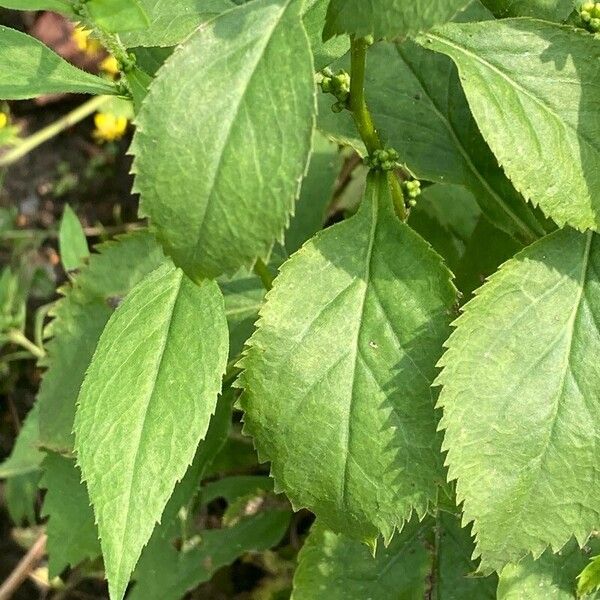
[79,319]
[432,128]
[25,456]
[551,576]
[72,533]
[72,242]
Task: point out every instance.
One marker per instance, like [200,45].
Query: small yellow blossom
[3,120]
[109,127]
[81,37]
[110,66]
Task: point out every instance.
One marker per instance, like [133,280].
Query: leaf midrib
[347,432]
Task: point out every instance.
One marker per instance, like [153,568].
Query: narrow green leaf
[551,576]
[388,18]
[552,10]
[25,456]
[520,401]
[532,88]
[72,242]
[431,126]
[337,375]
[36,70]
[72,533]
[256,119]
[145,404]
[78,321]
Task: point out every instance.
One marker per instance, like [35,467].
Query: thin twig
[26,565]
[47,133]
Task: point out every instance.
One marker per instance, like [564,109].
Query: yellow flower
[109,127]
[110,66]
[81,37]
[3,120]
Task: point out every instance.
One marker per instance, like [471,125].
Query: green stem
[47,133]
[263,272]
[364,120]
[358,103]
[17,337]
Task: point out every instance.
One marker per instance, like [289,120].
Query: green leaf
[337,375]
[431,126]
[171,23]
[118,15]
[316,193]
[166,574]
[446,216]
[555,10]
[324,53]
[519,382]
[551,576]
[72,242]
[166,342]
[21,495]
[426,560]
[388,18]
[72,533]
[486,250]
[336,567]
[588,580]
[244,295]
[62,6]
[256,119]
[36,70]
[79,319]
[25,456]
[531,87]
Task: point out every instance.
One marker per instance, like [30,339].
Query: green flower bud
[585,16]
[338,107]
[595,25]
[587,6]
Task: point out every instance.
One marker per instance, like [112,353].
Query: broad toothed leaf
[337,376]
[219,181]
[145,404]
[72,533]
[520,399]
[532,87]
[79,319]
